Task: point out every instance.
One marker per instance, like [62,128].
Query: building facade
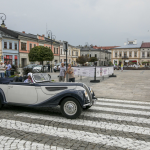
[75,55]
[103,56]
[25,43]
[127,54]
[9,48]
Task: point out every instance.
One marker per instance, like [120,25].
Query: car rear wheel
[70,108]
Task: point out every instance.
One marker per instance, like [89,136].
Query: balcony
[125,57]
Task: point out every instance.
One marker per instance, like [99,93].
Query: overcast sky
[98,22]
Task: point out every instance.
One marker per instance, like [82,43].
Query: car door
[23,93]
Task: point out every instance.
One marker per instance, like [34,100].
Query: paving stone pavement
[128,85]
[108,125]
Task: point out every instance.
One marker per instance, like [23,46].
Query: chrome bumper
[93,102]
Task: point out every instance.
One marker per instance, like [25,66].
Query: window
[135,54]
[61,51]
[90,55]
[82,54]
[10,45]
[54,50]
[23,46]
[61,60]
[143,54]
[120,54]
[115,54]
[148,54]
[130,54]
[69,52]
[15,46]
[30,46]
[5,45]
[34,45]
[57,50]
[125,54]
[76,53]
[72,53]
[95,55]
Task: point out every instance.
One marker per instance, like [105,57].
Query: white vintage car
[72,97]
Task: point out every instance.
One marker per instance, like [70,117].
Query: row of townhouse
[15,46]
[131,52]
[103,56]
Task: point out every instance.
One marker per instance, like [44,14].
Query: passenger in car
[29,80]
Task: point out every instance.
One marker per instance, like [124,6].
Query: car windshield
[41,77]
[38,66]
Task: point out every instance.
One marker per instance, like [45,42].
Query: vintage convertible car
[72,97]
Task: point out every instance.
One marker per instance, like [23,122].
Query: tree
[93,59]
[82,59]
[41,53]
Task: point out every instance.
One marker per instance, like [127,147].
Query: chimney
[43,35]
[135,41]
[125,43]
[23,31]
[5,27]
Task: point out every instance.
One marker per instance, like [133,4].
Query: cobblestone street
[110,124]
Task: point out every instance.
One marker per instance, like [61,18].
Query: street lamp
[51,36]
[3,15]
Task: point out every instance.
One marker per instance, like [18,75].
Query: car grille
[87,90]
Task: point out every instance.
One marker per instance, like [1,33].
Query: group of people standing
[63,72]
[4,68]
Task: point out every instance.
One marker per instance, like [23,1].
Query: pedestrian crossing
[102,126]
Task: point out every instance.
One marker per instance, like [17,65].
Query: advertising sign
[110,70]
[104,71]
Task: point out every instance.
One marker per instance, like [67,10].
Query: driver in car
[29,79]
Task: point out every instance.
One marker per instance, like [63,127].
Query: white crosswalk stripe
[126,111]
[75,134]
[123,105]
[27,144]
[124,101]
[89,131]
[95,124]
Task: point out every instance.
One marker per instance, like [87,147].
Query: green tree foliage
[41,53]
[82,59]
[93,59]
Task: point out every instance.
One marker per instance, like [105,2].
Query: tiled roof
[145,45]
[105,47]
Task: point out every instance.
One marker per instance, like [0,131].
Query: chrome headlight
[91,91]
[86,95]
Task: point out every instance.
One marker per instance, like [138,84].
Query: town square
[74,75]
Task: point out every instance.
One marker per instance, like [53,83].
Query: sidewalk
[128,85]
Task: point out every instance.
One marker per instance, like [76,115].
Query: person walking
[62,73]
[121,67]
[70,72]
[48,67]
[8,68]
[2,69]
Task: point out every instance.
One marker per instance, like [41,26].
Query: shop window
[10,45]
[23,46]
[5,45]
[15,46]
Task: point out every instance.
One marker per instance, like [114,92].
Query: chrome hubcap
[70,108]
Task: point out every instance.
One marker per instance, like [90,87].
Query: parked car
[30,66]
[39,68]
[57,67]
[71,97]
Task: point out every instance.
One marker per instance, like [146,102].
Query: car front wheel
[70,108]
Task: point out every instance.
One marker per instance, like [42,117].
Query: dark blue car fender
[58,98]
[2,97]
